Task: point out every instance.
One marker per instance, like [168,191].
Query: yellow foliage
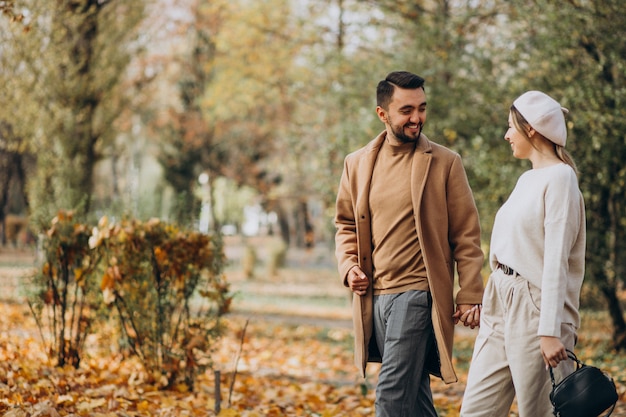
[107,280]
[228,412]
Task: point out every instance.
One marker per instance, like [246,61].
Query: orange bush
[164,286]
[167,288]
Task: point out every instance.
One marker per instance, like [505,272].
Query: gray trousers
[404,334]
[507,361]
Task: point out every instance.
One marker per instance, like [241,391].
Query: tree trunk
[283,222]
[617,317]
[304,228]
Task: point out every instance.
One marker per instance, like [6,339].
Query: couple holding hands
[407,224]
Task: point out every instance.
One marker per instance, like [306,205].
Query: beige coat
[448,229]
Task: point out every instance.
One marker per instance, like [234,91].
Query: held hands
[357,281]
[552,350]
[468,314]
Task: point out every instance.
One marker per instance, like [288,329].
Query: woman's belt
[506,269]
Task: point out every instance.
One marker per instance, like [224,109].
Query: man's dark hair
[402,79]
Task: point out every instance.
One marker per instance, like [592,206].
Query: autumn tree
[336,111]
[250,98]
[341,50]
[199,130]
[71,63]
[186,142]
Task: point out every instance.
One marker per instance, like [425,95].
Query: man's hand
[357,281]
[468,314]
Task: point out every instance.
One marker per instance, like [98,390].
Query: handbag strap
[579,365]
[573,357]
[610,411]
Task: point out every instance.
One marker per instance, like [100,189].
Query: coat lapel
[364,174]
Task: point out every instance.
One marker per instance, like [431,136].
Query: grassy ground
[295,359]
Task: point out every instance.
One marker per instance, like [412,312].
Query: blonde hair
[522,125]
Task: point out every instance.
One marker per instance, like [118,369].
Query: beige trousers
[507,361]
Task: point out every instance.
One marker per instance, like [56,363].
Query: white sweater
[540,233]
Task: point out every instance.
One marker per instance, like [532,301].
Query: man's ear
[382,114]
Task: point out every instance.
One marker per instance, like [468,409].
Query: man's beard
[398,132]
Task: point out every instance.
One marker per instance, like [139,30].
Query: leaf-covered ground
[287,352]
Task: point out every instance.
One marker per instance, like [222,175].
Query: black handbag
[586,392]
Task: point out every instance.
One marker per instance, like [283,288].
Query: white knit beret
[544,114]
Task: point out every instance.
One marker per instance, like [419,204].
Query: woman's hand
[467,314]
[552,350]
[357,281]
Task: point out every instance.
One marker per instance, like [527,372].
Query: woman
[530,305]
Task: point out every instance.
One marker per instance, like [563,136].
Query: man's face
[406,115]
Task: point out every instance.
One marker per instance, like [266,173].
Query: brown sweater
[397,267]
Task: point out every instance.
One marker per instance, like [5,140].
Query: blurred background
[234,116]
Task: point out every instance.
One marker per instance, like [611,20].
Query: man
[405,216]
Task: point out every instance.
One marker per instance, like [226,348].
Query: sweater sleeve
[561,225]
